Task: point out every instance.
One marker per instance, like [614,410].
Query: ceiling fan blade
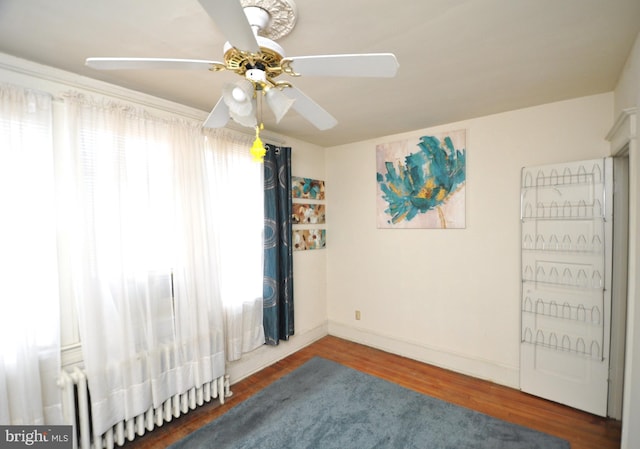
[230,18]
[382,65]
[219,115]
[152,63]
[310,110]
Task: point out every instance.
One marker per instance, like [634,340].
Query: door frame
[623,134]
[619,282]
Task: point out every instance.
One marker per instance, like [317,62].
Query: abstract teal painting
[307,188]
[421,184]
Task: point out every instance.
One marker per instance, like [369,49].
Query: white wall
[449,297]
[627,95]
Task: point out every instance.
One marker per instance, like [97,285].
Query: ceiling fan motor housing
[267,61]
[269,20]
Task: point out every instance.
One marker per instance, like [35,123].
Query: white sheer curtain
[143,265]
[29,309]
[237,191]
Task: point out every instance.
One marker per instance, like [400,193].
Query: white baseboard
[460,363]
[265,356]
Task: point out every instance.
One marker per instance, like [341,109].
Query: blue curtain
[278,251]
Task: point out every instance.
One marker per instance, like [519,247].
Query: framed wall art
[421,184]
[307,188]
[305,213]
[307,239]
[308,211]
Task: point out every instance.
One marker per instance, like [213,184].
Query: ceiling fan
[251,27]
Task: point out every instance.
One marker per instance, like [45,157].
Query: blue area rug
[325,405]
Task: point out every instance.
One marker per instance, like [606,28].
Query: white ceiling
[458,58]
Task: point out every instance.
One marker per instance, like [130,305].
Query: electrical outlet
[357,314]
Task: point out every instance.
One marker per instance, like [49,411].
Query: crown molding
[623,130]
[56,81]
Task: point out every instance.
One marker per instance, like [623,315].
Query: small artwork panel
[421,184]
[304,239]
[308,213]
[307,188]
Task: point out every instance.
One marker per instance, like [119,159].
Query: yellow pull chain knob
[257,149]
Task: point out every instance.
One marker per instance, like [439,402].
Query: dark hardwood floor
[582,430]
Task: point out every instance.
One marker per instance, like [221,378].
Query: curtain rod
[269,138]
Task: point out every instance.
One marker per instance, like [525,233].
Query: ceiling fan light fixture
[278,102]
[249,120]
[238,96]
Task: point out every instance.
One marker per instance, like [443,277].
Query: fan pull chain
[257,149]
